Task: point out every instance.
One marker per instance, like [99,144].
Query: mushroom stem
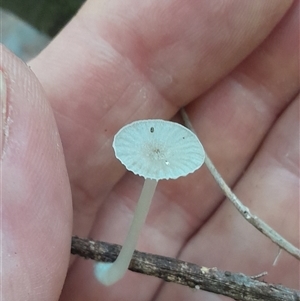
[109,273]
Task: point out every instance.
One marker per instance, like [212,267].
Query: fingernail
[3,97]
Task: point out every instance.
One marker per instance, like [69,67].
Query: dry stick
[251,218]
[235,285]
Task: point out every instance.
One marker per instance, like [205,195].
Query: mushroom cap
[158,149]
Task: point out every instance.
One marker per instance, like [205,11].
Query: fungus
[154,149]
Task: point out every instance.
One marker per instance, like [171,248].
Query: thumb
[35,194]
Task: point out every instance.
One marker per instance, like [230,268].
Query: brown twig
[235,285]
[259,224]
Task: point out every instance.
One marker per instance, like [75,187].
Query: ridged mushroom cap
[158,149]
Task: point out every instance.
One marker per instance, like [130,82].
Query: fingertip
[36,199]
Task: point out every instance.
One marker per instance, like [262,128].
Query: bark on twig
[235,285]
[259,224]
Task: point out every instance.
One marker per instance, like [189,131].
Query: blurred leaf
[48,16]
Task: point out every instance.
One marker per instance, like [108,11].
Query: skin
[233,65]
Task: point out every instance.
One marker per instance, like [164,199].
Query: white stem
[109,273]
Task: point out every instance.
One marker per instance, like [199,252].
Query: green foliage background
[48,16]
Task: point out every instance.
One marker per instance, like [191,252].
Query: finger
[233,118]
[270,188]
[112,65]
[36,204]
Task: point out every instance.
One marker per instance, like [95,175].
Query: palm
[118,70]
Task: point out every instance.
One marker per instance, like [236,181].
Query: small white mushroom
[154,149]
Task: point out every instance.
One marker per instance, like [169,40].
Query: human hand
[121,61]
